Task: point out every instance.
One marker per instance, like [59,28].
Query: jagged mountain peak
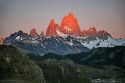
[33,33]
[92,32]
[103,34]
[51,30]
[70,15]
[42,34]
[70,25]
[52,22]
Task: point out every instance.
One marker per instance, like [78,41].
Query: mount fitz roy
[66,38]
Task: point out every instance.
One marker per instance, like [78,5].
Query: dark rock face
[103,34]
[14,65]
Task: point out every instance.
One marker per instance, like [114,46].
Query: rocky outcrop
[42,34]
[51,30]
[103,34]
[33,33]
[92,32]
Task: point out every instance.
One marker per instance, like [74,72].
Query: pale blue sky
[24,15]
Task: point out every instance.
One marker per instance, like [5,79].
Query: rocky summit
[70,25]
[33,33]
[51,30]
[42,34]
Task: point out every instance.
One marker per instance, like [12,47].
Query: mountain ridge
[64,39]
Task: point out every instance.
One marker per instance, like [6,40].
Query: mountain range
[66,38]
[69,26]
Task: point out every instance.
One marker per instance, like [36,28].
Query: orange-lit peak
[33,33]
[70,15]
[42,34]
[52,22]
[71,22]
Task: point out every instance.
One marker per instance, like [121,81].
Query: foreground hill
[17,67]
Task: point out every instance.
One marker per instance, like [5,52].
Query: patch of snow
[18,37]
[91,44]
[48,37]
[110,42]
[57,40]
[60,33]
[82,37]
[70,43]
[34,41]
[43,46]
[21,38]
[67,29]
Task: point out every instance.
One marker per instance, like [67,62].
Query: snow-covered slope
[41,46]
[59,33]
[96,42]
[61,45]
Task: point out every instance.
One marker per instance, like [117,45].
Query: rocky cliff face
[14,65]
[51,30]
[70,25]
